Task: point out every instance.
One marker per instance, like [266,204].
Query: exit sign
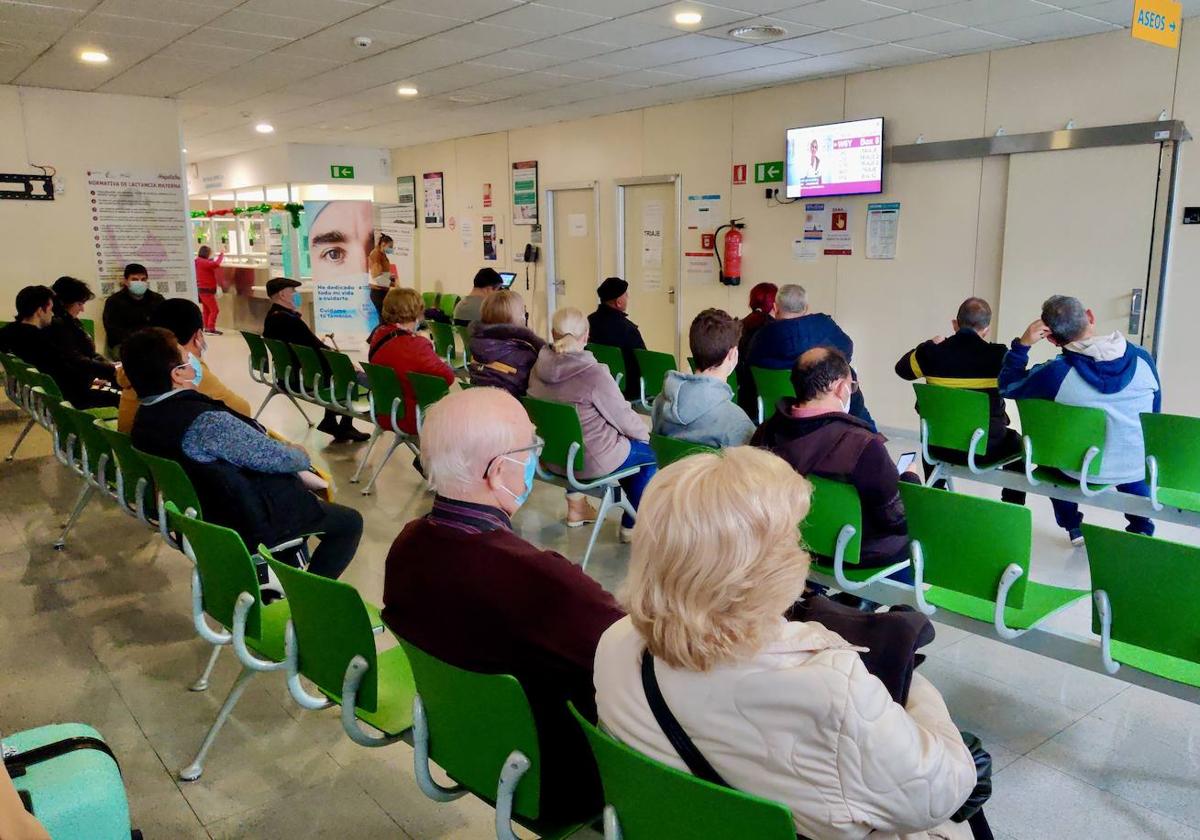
[768,171]
[340,171]
[1157,21]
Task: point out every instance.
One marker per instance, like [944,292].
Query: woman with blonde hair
[783,710]
[614,435]
[503,348]
[395,344]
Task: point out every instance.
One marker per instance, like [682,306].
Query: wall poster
[435,204]
[837,233]
[883,226]
[406,198]
[141,217]
[524,192]
[490,240]
[339,235]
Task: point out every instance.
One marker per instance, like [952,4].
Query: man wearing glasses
[463,587]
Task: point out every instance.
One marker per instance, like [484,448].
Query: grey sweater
[699,409]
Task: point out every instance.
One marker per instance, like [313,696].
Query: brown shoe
[579,511]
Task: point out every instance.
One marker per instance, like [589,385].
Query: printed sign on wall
[340,234]
[524,192]
[406,198]
[435,202]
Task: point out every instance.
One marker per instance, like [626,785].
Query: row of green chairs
[445,301]
[654,367]
[19,383]
[386,398]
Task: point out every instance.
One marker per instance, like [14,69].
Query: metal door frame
[548,237]
[676,291]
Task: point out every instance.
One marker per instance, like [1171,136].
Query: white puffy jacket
[802,723]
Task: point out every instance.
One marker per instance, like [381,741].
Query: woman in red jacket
[396,344]
[206,286]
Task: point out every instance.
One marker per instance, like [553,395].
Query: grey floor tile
[1149,714]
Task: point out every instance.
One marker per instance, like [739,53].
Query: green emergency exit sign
[340,171]
[768,171]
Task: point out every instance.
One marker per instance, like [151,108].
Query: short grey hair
[792,299]
[463,432]
[1065,316]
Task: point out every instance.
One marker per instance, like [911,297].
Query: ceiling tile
[900,28]
[392,18]
[730,62]
[761,7]
[674,49]
[612,8]
[917,5]
[1050,27]
[1119,12]
[821,65]
[961,41]
[12,12]
[831,14]
[664,16]
[457,76]
[590,69]
[822,43]
[568,48]
[458,9]
[223,57]
[61,5]
[886,55]
[522,83]
[790,27]
[172,11]
[979,12]
[490,36]
[431,53]
[649,78]
[321,11]
[254,23]
[336,43]
[624,32]
[26,36]
[524,59]
[547,20]
[159,76]
[157,31]
[60,67]
[13,62]
[208,36]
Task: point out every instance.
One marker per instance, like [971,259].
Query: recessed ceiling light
[407,90]
[264,128]
[93,57]
[768,32]
[184,151]
[688,18]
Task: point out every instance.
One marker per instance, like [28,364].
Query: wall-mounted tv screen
[843,158]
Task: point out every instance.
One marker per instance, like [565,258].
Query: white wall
[952,224]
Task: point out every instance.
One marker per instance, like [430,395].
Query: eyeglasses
[536,448]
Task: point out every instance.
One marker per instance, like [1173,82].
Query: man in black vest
[245,480]
[610,325]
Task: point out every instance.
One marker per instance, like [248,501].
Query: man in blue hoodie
[1096,371]
[794,332]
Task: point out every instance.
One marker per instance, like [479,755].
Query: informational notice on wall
[577,225]
[524,192]
[701,266]
[275,244]
[466,232]
[837,234]
[435,200]
[808,246]
[805,250]
[406,198]
[490,240]
[703,211]
[393,221]
[141,217]
[883,226]
[652,245]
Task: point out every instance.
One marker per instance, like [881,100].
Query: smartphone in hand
[905,461]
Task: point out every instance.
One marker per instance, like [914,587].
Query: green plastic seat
[95,465]
[430,299]
[67,449]
[1064,438]
[345,391]
[18,382]
[313,384]
[443,341]
[270,364]
[832,533]
[612,358]
[464,338]
[654,367]
[975,554]
[647,800]
[89,327]
[480,730]
[1144,596]
[447,302]
[334,648]
[732,381]
[171,484]
[427,390]
[668,450]
[135,484]
[773,386]
[386,411]
[260,360]
[956,419]
[1173,460]
[284,366]
[225,588]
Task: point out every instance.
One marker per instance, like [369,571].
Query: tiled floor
[101,633]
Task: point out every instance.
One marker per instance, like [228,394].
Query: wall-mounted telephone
[532,253]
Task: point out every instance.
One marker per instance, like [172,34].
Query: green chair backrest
[172,482]
[385,391]
[612,358]
[281,358]
[464,338]
[430,299]
[310,368]
[427,389]
[342,379]
[443,339]
[133,468]
[952,415]
[967,541]
[475,721]
[332,627]
[48,384]
[732,381]
[1061,434]
[259,359]
[89,326]
[772,385]
[64,425]
[668,450]
[558,425]
[835,504]
[1174,441]
[654,366]
[448,301]
[94,444]
[1154,605]
[225,566]
[657,802]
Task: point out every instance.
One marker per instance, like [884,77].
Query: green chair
[426,390]
[443,341]
[135,484]
[95,458]
[1062,437]
[17,382]
[612,358]
[1173,460]
[732,381]
[1144,596]
[347,395]
[89,326]
[558,425]
[480,730]
[171,484]
[430,299]
[654,367]
[387,405]
[330,640]
[225,588]
[464,338]
[312,384]
[647,800]
[447,302]
[773,386]
[833,533]
[668,450]
[63,437]
[955,419]
[975,553]
[280,376]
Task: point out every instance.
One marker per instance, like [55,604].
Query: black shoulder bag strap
[687,750]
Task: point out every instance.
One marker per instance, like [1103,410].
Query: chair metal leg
[612,828]
[301,410]
[85,495]
[201,684]
[269,397]
[12,453]
[366,456]
[371,484]
[606,503]
[193,770]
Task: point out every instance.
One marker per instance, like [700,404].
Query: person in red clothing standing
[206,286]
[396,344]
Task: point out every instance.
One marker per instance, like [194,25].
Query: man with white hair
[460,585]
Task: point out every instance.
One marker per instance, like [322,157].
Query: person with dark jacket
[395,344]
[460,585]
[68,333]
[610,325]
[795,331]
[762,304]
[817,435]
[503,349]
[244,479]
[968,360]
[128,309]
[284,323]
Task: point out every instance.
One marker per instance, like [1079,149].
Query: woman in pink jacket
[207,270]
[783,710]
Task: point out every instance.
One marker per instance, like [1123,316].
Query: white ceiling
[482,65]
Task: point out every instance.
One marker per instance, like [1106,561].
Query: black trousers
[340,529]
[377,296]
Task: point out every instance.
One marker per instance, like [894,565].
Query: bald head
[976,314]
[820,373]
[462,435]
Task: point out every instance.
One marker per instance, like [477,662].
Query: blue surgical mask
[296,299]
[197,370]
[530,473]
[137,288]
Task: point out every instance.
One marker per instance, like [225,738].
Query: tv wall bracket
[33,187]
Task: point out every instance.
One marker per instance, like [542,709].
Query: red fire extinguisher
[731,270]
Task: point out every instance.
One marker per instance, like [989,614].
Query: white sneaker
[626,535]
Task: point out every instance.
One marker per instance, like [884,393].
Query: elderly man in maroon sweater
[463,587]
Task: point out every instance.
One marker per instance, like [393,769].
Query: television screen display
[839,159]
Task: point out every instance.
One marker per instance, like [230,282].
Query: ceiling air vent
[757,33]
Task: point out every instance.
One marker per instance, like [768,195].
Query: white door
[649,260]
[574,249]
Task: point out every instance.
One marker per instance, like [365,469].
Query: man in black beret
[610,325]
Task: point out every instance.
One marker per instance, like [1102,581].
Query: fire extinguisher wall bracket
[730,270]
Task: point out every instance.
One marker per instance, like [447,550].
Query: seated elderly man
[460,585]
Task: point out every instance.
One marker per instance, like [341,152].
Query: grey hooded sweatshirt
[699,409]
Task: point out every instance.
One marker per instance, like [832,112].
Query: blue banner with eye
[337,237]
